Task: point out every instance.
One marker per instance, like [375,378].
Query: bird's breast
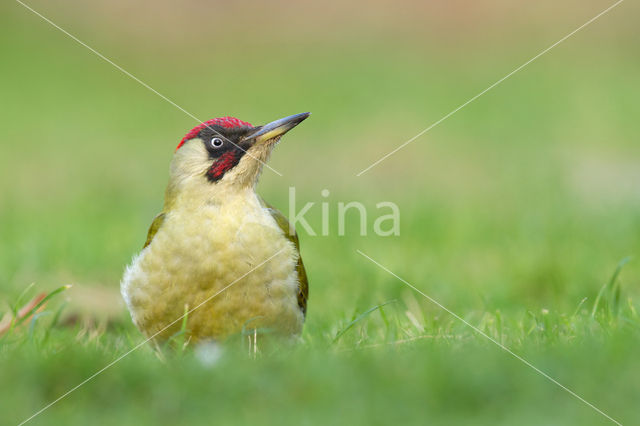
[230,260]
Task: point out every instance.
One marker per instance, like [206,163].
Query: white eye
[216,142]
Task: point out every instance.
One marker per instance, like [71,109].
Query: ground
[515,212]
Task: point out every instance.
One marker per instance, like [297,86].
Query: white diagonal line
[136,79]
[144,342]
[503,347]
[489,88]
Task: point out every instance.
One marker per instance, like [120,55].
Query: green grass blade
[609,288]
[359,318]
[54,321]
[32,323]
[16,306]
[42,302]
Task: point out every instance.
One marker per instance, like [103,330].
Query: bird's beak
[277,128]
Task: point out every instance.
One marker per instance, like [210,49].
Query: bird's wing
[291,234]
[155,225]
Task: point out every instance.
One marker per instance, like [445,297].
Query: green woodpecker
[217,241]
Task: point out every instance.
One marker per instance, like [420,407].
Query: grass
[519,213]
[387,364]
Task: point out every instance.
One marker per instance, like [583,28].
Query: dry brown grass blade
[27,310]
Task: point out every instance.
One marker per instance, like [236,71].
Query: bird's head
[225,154]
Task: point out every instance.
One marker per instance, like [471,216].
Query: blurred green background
[513,210]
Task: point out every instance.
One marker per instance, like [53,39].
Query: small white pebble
[208,353]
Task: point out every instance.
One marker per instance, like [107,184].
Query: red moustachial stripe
[224,163]
[220,121]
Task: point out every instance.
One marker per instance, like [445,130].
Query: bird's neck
[199,193]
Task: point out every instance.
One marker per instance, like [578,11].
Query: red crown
[220,121]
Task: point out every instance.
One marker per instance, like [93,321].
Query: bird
[217,251]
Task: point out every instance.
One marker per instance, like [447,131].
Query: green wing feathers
[290,233]
[153,229]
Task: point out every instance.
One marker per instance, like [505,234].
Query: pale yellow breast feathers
[201,248]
